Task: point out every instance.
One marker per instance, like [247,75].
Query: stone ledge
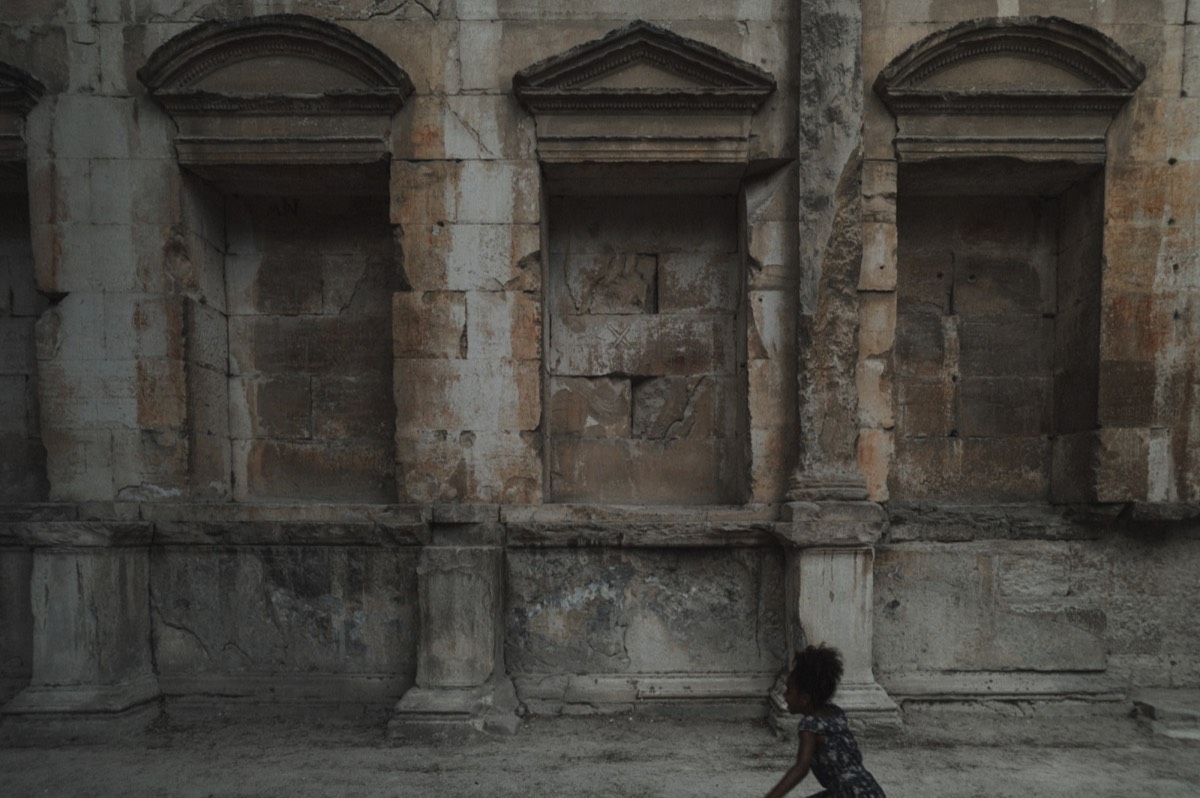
[995,685]
[77,534]
[572,694]
[308,689]
[932,521]
[628,526]
[83,699]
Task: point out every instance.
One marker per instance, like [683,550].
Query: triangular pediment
[275,61]
[1012,64]
[643,66]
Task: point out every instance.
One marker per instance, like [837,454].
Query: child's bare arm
[799,769]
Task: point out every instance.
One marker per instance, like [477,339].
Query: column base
[868,708]
[41,715]
[455,711]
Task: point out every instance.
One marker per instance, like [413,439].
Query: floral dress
[838,763]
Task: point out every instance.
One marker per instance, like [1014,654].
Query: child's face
[798,701]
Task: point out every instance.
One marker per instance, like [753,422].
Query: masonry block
[503,325]
[675,471]
[978,469]
[423,193]
[351,471]
[499,192]
[590,406]
[770,390]
[161,393]
[697,282]
[429,324]
[467,394]
[877,323]
[359,406]
[1004,406]
[874,386]
[271,407]
[79,463]
[1122,464]
[643,345]
[684,407]
[879,257]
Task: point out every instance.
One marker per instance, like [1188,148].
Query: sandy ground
[597,756]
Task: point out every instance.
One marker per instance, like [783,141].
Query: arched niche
[286,121]
[1001,146]
[279,89]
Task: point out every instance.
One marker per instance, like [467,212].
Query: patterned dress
[838,763]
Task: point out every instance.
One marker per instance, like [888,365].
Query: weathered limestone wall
[1019,603]
[1147,336]
[632,611]
[1089,383]
[231,382]
[312,624]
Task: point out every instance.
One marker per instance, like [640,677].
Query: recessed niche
[644,380]
[998,320]
[309,280]
[22,455]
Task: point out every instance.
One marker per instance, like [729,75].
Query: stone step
[1171,713]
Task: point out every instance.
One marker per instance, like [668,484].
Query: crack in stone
[179,627]
[471,131]
[389,11]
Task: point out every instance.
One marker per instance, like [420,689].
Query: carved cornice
[373,81]
[19,91]
[568,82]
[282,89]
[1057,47]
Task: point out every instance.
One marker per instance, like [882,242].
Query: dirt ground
[605,756]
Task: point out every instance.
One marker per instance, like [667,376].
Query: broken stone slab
[1170,712]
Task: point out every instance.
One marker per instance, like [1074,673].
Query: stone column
[92,665]
[830,591]
[461,683]
[833,527]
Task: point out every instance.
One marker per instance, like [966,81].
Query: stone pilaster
[830,588]
[92,665]
[461,684]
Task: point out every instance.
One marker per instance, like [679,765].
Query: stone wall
[1025,603]
[274,397]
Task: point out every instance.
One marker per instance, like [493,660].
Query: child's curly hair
[817,671]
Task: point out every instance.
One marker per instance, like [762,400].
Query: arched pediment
[277,60]
[19,92]
[1011,62]
[278,89]
[986,80]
